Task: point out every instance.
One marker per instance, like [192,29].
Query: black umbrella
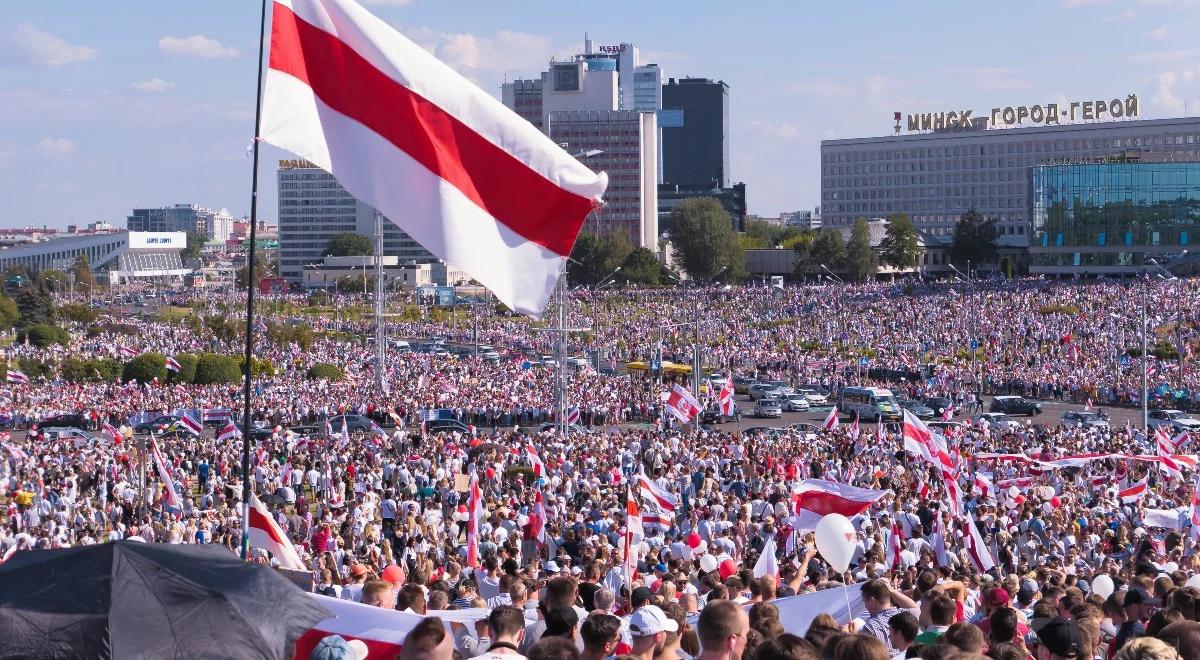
[148,600]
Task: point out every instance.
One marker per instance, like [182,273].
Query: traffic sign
[974,343]
[862,361]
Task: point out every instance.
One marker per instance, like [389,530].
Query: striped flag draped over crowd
[467,178]
[817,497]
[15,376]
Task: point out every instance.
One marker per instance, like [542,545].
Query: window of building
[1058,240]
[1128,238]
[1155,238]
[1102,239]
[1183,238]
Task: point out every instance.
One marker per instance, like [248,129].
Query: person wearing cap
[359,575]
[648,628]
[336,647]
[1058,639]
[1139,604]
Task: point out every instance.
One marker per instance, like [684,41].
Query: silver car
[795,403]
[763,391]
[768,408]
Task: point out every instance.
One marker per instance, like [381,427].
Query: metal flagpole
[380,346]
[250,256]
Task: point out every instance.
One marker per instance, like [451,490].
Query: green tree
[9,314]
[55,280]
[187,369]
[974,239]
[43,335]
[195,245]
[145,368]
[76,313]
[641,267]
[828,249]
[82,270]
[76,370]
[860,257]
[587,260]
[702,233]
[262,268]
[35,306]
[35,369]
[324,371]
[349,244]
[213,369]
[901,246]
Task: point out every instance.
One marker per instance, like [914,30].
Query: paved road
[1051,414]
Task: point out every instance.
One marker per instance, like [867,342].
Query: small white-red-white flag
[266,534]
[767,564]
[817,497]
[173,364]
[725,400]
[467,178]
[1135,491]
[15,376]
[171,498]
[682,404]
[474,519]
[655,493]
[229,432]
[831,420]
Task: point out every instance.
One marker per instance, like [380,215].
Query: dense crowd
[1079,567]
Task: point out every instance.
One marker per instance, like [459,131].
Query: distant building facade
[214,225]
[695,132]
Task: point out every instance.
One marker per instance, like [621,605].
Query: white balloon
[1103,586]
[708,563]
[1014,491]
[835,540]
[1170,567]
[1193,581]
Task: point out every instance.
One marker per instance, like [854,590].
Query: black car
[70,419]
[1015,405]
[166,425]
[917,408]
[356,425]
[714,416]
[446,426]
[939,404]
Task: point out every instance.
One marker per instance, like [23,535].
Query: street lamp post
[1169,276]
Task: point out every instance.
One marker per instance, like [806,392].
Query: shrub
[90,371]
[324,371]
[217,369]
[1069,310]
[145,368]
[262,367]
[35,369]
[43,334]
[76,313]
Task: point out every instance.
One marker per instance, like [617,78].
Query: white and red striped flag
[767,564]
[895,547]
[1194,511]
[190,424]
[127,352]
[725,399]
[854,430]
[984,485]
[1165,449]
[112,432]
[535,461]
[15,376]
[651,491]
[171,498]
[633,534]
[682,404]
[467,178]
[816,498]
[537,520]
[939,541]
[976,548]
[173,364]
[831,420]
[474,518]
[573,415]
[266,534]
[229,432]
[1135,491]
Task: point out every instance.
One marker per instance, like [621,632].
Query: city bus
[870,403]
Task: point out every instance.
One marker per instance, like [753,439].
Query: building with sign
[937,176]
[121,256]
[215,225]
[1109,215]
[314,207]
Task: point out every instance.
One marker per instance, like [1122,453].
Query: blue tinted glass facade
[1110,215]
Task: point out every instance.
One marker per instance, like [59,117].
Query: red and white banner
[895,547]
[655,493]
[383,631]
[725,399]
[173,364]
[535,461]
[537,520]
[1135,491]
[15,376]
[190,424]
[474,519]
[682,404]
[817,498]
[127,352]
[266,534]
[229,432]
[831,420]
[976,548]
[171,499]
[112,432]
[467,178]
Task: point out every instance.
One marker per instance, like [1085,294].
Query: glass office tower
[1110,215]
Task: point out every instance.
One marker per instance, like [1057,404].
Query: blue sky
[108,106]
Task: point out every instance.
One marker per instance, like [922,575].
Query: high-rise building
[314,207]
[695,132]
[215,225]
[601,106]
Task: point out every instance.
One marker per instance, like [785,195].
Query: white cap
[650,620]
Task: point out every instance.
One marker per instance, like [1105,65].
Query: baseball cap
[1139,596]
[1058,635]
[561,622]
[393,574]
[357,570]
[551,567]
[641,595]
[651,620]
[660,567]
[997,597]
[336,647]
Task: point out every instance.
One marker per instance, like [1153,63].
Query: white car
[1175,420]
[814,397]
[996,421]
[794,403]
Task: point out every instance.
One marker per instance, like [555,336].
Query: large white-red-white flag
[265,533]
[474,519]
[171,498]
[653,492]
[817,498]
[725,400]
[467,178]
[831,420]
[976,548]
[1135,491]
[682,404]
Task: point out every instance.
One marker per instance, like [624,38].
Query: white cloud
[51,147]
[877,85]
[152,86]
[1169,94]
[1003,84]
[196,45]
[824,88]
[487,58]
[1074,4]
[1122,16]
[388,3]
[1165,55]
[29,45]
[779,132]
[1159,33]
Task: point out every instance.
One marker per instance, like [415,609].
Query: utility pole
[380,346]
[560,372]
[1145,358]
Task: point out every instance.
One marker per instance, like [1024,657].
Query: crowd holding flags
[682,405]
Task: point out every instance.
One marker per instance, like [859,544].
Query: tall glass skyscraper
[1109,215]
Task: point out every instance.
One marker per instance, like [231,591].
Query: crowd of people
[1089,538]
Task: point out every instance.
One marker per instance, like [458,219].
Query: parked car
[741,384]
[1015,405]
[815,398]
[768,408]
[769,430]
[1084,419]
[1174,420]
[764,391]
[714,416]
[807,429]
[82,438]
[165,424]
[917,408]
[357,426]
[76,420]
[447,426]
[795,403]
[996,421]
[938,405]
[782,385]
